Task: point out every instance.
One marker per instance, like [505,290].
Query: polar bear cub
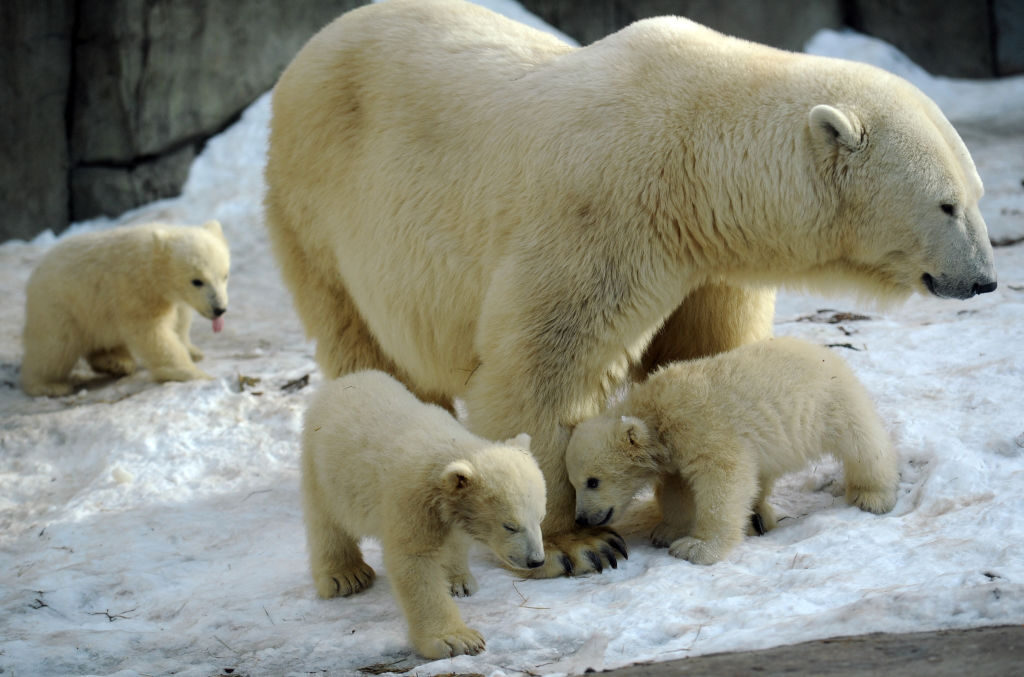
[119,294]
[717,432]
[378,462]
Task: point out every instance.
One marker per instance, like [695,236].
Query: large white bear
[488,213]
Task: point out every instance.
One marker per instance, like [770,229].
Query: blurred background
[105,103]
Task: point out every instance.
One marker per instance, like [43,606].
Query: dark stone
[35,50]
[946,37]
[105,101]
[110,191]
[782,23]
[1008,16]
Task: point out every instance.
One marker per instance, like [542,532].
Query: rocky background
[104,103]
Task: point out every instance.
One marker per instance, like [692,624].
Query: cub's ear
[161,240]
[213,226]
[835,127]
[522,440]
[634,432]
[457,476]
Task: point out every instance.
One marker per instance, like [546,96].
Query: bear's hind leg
[50,355]
[870,462]
[117,361]
[711,320]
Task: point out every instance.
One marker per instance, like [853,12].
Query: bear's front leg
[182,327]
[676,502]
[420,583]
[724,484]
[456,566]
[160,349]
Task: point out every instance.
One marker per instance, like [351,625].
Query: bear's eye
[511,528]
[593,482]
[197,282]
[949,209]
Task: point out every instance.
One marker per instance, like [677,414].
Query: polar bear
[119,294]
[717,432]
[378,462]
[489,214]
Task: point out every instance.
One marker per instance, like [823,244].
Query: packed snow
[157,529]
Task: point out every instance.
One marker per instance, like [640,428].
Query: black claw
[567,565]
[595,560]
[619,544]
[758,523]
[610,556]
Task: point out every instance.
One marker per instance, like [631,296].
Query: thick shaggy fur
[716,433]
[117,295]
[378,462]
[487,213]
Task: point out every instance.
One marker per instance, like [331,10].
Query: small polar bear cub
[378,462]
[117,295]
[716,433]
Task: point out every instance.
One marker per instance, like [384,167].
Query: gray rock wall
[105,103]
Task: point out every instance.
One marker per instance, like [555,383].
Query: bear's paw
[452,641]
[579,552]
[345,582]
[463,584]
[876,500]
[696,550]
[665,534]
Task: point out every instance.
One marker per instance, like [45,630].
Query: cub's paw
[665,534]
[453,641]
[344,582]
[195,353]
[52,389]
[112,362]
[584,551]
[696,550]
[163,374]
[872,500]
[463,584]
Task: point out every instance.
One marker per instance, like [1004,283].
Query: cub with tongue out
[120,295]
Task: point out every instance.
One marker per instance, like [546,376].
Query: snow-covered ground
[156,529]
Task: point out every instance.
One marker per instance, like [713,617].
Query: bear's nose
[984,288]
[217,312]
[534,563]
[582,521]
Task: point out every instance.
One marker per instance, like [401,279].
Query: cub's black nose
[534,563]
[582,521]
[984,288]
[217,312]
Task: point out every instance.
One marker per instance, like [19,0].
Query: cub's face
[202,271]
[609,460]
[499,498]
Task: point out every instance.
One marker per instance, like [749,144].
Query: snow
[155,529]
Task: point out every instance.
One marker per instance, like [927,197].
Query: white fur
[487,213]
[716,433]
[378,462]
[117,295]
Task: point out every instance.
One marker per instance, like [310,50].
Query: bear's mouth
[607,517]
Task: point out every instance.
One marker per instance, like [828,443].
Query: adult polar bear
[486,212]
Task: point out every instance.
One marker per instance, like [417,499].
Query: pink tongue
[218,324]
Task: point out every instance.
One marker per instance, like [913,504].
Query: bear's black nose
[217,312]
[984,288]
[582,521]
[534,563]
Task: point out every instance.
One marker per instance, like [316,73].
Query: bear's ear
[834,127]
[522,440]
[213,225]
[160,240]
[634,432]
[457,476]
